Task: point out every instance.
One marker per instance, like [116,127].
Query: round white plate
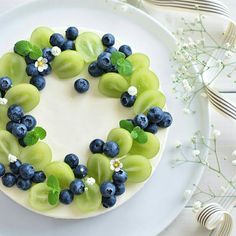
[160,201]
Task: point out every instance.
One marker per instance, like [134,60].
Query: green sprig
[32,137]
[53,194]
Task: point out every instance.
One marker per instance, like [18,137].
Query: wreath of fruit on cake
[26,161]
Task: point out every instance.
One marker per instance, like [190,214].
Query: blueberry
[26,171]
[39,177]
[120,189]
[22,142]
[77,187]
[10,125]
[107,189]
[68,45]
[19,130]
[166,121]
[113,68]
[152,128]
[127,100]
[66,196]
[80,171]
[120,177]
[81,85]
[126,50]
[108,40]
[104,60]
[72,160]
[28,60]
[108,201]
[155,114]
[29,121]
[9,180]
[2,170]
[5,83]
[15,166]
[72,33]
[38,81]
[96,146]
[47,53]
[47,71]
[15,113]
[110,49]
[141,120]
[57,39]
[23,184]
[94,70]
[111,149]
[31,70]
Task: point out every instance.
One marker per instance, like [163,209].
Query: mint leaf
[115,56]
[134,134]
[40,132]
[23,48]
[125,68]
[120,61]
[35,52]
[126,124]
[53,197]
[53,183]
[30,138]
[142,137]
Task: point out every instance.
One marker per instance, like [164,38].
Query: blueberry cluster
[103,63]
[19,123]
[127,100]
[23,175]
[5,84]
[110,190]
[110,148]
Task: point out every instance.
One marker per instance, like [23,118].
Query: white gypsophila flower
[56,51]
[186,111]
[196,153]
[3,101]
[216,133]
[178,144]
[187,194]
[132,91]
[234,162]
[227,45]
[234,153]
[41,64]
[203,94]
[90,181]
[197,206]
[12,158]
[116,165]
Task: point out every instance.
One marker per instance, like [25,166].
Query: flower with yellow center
[116,165]
[41,64]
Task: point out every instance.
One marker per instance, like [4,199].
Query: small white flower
[56,51]
[227,45]
[216,133]
[41,64]
[234,162]
[178,144]
[115,165]
[196,153]
[187,111]
[90,181]
[203,94]
[12,158]
[187,194]
[196,206]
[234,153]
[132,91]
[3,101]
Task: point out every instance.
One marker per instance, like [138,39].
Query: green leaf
[134,134]
[139,135]
[125,68]
[30,138]
[120,61]
[23,47]
[35,53]
[115,56]
[126,124]
[53,197]
[53,183]
[40,132]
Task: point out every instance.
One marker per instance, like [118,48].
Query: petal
[40,59]
[36,64]
[45,60]
[45,66]
[40,69]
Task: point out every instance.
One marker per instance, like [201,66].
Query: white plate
[159,202]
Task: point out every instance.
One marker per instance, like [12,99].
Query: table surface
[185,223]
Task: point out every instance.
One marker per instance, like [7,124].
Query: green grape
[61,171]
[149,149]
[139,60]
[112,85]
[148,99]
[68,64]
[137,167]
[3,117]
[41,36]
[8,145]
[38,197]
[144,79]
[13,66]
[123,138]
[90,200]
[99,168]
[89,45]
[38,155]
[25,95]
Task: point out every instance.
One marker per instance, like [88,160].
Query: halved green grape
[8,145]
[38,155]
[99,168]
[144,79]
[149,149]
[68,64]
[90,200]
[13,66]
[61,171]
[139,60]
[137,167]
[3,117]
[38,197]
[148,99]
[112,85]
[40,37]
[89,45]
[123,138]
[25,95]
